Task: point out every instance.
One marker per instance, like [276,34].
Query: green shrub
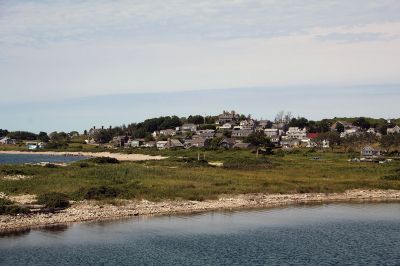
[83,165]
[104,160]
[391,177]
[50,165]
[54,200]
[8,207]
[101,192]
[13,172]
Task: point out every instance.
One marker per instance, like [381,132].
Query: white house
[162,144]
[296,133]
[369,152]
[8,141]
[393,130]
[189,128]
[226,126]
[271,132]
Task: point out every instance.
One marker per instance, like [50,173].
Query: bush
[104,160]
[8,207]
[103,192]
[83,165]
[391,177]
[13,172]
[54,200]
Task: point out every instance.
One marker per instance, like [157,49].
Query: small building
[393,130]
[8,141]
[34,145]
[174,143]
[149,144]
[168,132]
[161,144]
[189,128]
[296,133]
[226,126]
[227,117]
[271,132]
[370,152]
[227,143]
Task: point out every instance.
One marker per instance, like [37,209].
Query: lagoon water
[37,158]
[334,234]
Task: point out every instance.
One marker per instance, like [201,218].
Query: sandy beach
[118,156]
[94,211]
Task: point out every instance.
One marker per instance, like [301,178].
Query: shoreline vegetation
[87,211]
[184,181]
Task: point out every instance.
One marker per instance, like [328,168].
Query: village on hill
[229,130]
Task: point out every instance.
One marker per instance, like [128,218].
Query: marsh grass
[181,176]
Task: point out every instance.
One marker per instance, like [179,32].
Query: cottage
[264,123]
[344,124]
[161,144]
[134,143]
[189,128]
[227,117]
[34,145]
[393,130]
[271,132]
[296,133]
[120,141]
[227,143]
[149,144]
[8,141]
[226,126]
[173,143]
[197,142]
[247,124]
[168,132]
[370,152]
[350,132]
[206,135]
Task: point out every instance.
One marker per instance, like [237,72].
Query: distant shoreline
[118,156]
[86,211]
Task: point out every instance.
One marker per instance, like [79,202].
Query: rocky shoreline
[118,156]
[94,211]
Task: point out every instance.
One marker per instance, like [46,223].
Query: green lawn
[181,176]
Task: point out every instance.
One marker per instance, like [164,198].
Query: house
[120,141]
[198,142]
[296,133]
[168,132]
[370,152]
[173,143]
[290,143]
[241,133]
[226,126]
[247,124]
[227,143]
[264,123]
[346,125]
[227,117]
[271,132]
[189,128]
[206,134]
[350,132]
[8,141]
[149,144]
[161,144]
[393,130]
[34,145]
[134,143]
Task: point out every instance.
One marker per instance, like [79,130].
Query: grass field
[181,176]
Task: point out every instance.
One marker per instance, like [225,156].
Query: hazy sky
[58,50]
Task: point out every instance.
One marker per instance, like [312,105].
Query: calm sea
[37,158]
[335,234]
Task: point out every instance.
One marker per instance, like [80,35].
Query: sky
[57,55]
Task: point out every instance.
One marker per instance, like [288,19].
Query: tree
[22,135]
[362,123]
[259,140]
[339,127]
[3,132]
[43,137]
[300,122]
[196,119]
[102,136]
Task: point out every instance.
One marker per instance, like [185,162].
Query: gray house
[370,152]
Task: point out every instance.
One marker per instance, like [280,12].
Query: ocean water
[333,234]
[37,158]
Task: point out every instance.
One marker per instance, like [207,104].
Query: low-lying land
[104,189]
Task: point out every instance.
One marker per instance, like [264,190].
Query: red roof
[312,135]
